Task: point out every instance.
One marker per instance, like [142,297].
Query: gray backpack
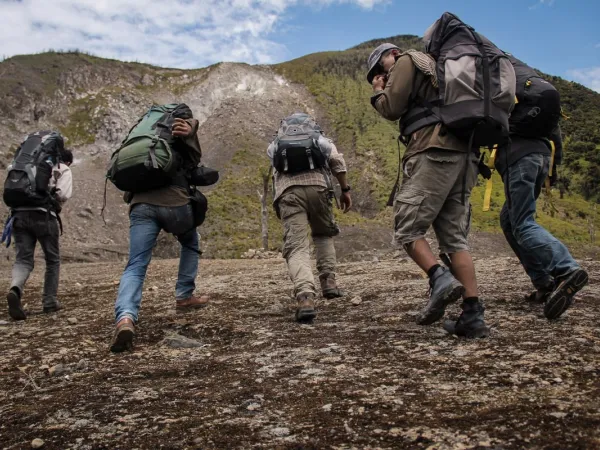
[297,145]
[476,85]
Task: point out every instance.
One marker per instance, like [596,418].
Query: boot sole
[15,309]
[332,294]
[436,313]
[561,299]
[190,308]
[305,315]
[123,341]
[479,333]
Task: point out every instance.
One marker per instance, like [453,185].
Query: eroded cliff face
[94,102]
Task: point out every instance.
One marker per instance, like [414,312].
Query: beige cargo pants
[301,207]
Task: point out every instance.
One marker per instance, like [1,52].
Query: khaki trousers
[301,208]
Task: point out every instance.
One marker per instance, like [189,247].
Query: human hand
[181,128]
[379,82]
[345,202]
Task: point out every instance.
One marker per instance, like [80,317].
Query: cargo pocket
[406,216]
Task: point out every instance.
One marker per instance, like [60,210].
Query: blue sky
[557,36]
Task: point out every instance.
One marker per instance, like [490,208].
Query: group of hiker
[461,95]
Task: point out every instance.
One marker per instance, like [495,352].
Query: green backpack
[147,158]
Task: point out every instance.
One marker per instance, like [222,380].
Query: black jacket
[522,146]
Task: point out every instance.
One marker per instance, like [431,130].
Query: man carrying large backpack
[39,182]
[534,152]
[439,166]
[156,157]
[302,159]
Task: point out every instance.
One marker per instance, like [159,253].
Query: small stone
[280,431]
[356,300]
[37,443]
[3,323]
[327,407]
[178,341]
[57,370]
[116,282]
[253,406]
[558,415]
[78,285]
[72,320]
[81,365]
[154,288]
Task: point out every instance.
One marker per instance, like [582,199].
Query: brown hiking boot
[305,311]
[192,302]
[123,338]
[329,286]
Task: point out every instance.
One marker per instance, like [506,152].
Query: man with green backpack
[154,165]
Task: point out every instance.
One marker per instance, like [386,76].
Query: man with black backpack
[441,123]
[526,165]
[160,152]
[302,159]
[39,182]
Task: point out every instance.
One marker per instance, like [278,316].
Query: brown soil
[363,375]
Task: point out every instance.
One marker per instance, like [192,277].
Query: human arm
[391,98]
[63,183]
[337,164]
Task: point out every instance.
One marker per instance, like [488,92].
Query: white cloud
[542,3]
[170,33]
[588,77]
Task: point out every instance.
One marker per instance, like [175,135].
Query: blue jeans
[146,221]
[543,256]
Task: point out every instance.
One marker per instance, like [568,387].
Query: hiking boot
[15,309]
[191,303]
[470,324]
[305,311]
[55,307]
[123,338]
[329,286]
[562,297]
[444,289]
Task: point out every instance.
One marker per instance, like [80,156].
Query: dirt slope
[363,376]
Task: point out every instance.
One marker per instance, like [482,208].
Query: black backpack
[476,85]
[29,175]
[297,145]
[537,111]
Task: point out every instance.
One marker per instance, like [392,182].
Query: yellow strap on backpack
[487,197]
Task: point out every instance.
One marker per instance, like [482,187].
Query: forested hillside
[338,80]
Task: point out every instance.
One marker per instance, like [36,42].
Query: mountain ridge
[93,101]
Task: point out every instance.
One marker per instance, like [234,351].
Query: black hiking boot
[541,295]
[470,324]
[15,309]
[305,312]
[54,307]
[562,297]
[444,289]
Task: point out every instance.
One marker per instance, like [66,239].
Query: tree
[266,177]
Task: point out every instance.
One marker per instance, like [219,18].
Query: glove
[7,232]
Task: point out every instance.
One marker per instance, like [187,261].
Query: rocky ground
[242,374]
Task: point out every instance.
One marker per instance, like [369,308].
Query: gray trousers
[30,227]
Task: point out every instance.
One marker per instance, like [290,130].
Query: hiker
[439,168]
[163,200]
[525,165]
[41,160]
[303,159]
